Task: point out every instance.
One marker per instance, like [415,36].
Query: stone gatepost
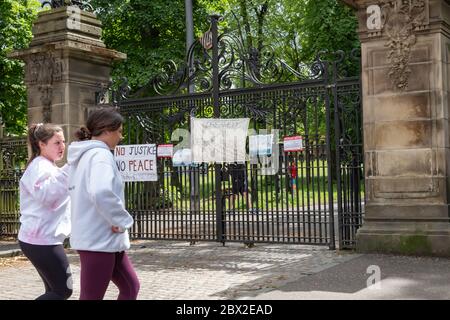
[405,83]
[64,65]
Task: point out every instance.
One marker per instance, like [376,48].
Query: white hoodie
[97,198]
[44,203]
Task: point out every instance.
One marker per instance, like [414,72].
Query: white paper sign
[182,157]
[165,151]
[137,162]
[260,144]
[218,140]
[293,143]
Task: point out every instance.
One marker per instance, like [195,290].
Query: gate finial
[82,4]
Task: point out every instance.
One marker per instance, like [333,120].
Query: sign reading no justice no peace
[136,162]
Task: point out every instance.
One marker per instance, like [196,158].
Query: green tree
[296,29]
[16,18]
[149,32]
[247,19]
[327,25]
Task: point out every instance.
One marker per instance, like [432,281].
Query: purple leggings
[99,268]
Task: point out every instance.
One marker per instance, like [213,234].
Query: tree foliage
[149,32]
[16,18]
[327,25]
[297,30]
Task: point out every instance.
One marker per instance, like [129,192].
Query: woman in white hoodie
[44,209]
[100,221]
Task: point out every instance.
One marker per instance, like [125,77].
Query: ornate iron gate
[13,156]
[349,154]
[292,200]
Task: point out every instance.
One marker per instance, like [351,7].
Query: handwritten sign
[137,162]
[293,143]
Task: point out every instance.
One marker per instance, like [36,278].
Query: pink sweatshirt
[44,203]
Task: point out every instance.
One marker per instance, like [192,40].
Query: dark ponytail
[99,121]
[40,132]
[83,134]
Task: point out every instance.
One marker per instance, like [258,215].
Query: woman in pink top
[44,208]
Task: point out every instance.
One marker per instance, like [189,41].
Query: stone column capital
[64,66]
[398,23]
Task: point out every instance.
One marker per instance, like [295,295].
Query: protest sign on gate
[182,157]
[219,140]
[260,144]
[292,144]
[165,150]
[136,162]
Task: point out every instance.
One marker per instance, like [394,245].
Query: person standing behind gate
[239,185]
[293,175]
[44,211]
[99,218]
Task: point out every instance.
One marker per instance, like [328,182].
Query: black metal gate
[13,157]
[305,197]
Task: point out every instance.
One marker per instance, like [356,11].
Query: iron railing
[13,156]
[251,203]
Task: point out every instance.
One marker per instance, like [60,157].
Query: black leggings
[52,265]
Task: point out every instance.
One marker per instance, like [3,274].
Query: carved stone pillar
[405,78]
[64,65]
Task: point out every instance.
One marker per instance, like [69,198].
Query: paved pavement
[400,277]
[170,270]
